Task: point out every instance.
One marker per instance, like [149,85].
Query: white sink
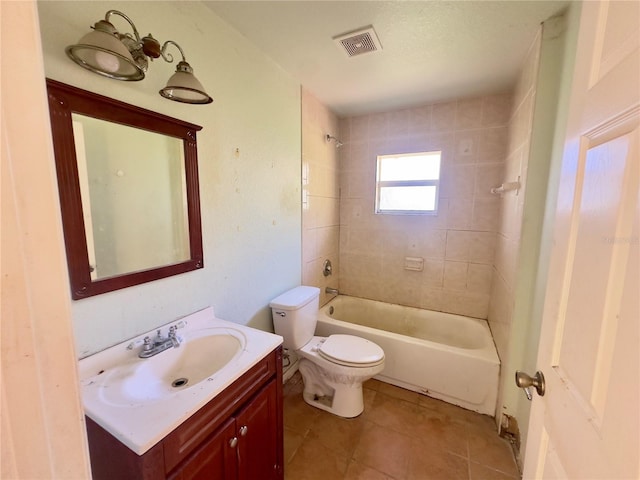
[141,400]
[201,354]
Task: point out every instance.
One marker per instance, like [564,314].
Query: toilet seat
[350,351]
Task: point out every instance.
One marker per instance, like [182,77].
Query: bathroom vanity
[226,426]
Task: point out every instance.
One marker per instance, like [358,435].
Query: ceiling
[431,50]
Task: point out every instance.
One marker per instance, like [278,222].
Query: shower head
[331,137]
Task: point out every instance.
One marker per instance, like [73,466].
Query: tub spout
[331,291]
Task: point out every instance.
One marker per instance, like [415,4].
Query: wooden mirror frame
[65,100]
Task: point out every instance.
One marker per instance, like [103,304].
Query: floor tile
[298,415]
[487,448]
[401,435]
[384,450]
[292,441]
[393,413]
[480,472]
[453,412]
[314,461]
[338,434]
[372,384]
[357,471]
[440,432]
[427,463]
[368,397]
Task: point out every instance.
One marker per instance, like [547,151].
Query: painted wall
[458,243]
[249,167]
[320,195]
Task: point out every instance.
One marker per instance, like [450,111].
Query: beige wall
[320,195]
[458,243]
[249,167]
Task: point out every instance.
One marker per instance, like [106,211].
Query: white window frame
[407,183]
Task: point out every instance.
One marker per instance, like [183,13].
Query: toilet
[333,368]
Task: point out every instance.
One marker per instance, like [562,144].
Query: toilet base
[320,391]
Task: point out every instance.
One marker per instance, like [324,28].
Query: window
[408,183]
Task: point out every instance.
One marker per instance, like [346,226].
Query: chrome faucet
[331,291]
[159,343]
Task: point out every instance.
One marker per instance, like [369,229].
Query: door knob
[243,430]
[525,381]
[233,442]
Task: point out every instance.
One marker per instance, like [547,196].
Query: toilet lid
[351,351]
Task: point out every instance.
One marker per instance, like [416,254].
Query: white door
[587,425]
[85,196]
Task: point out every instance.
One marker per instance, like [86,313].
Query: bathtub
[449,357]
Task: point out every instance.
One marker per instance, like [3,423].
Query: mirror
[128,183]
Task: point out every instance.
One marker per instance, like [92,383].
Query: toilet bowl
[333,368]
[335,385]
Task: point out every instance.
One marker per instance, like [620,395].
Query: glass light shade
[102,53]
[184,87]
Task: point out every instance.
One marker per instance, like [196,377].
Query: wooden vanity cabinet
[215,458]
[237,436]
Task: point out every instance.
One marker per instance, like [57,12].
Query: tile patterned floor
[401,435]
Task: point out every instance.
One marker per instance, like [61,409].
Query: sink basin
[140,400]
[200,355]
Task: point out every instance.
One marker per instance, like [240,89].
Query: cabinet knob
[233,442]
[243,430]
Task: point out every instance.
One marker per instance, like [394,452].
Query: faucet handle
[148,345]
[159,338]
[175,340]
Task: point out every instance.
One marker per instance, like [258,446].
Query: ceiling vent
[361,41]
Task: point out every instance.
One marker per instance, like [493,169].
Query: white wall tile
[492,146]
[321,191]
[457,244]
[482,247]
[420,120]
[516,155]
[443,116]
[469,113]
[479,278]
[455,275]
[433,273]
[496,109]
[359,128]
[460,213]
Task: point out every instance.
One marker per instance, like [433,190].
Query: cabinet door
[215,459]
[257,427]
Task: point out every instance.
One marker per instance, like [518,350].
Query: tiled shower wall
[320,195]
[508,238]
[458,244]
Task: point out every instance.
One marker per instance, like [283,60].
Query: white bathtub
[449,357]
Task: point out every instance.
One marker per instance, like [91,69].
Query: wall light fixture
[124,56]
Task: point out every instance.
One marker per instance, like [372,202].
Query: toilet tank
[295,314]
